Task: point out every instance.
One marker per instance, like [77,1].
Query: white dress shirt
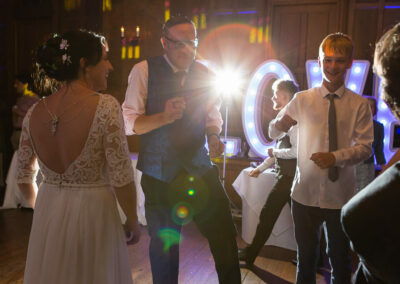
[136,97]
[311,185]
[285,153]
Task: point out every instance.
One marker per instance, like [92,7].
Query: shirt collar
[339,92]
[174,68]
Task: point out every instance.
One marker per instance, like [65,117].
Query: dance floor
[196,263]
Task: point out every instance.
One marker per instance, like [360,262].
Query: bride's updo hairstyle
[58,59]
[387,66]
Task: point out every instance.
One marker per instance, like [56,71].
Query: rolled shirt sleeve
[135,96]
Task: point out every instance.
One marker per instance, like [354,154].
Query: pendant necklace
[56,119]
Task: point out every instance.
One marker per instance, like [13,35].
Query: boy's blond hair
[285,85]
[339,42]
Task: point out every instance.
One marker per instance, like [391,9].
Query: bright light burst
[228,82]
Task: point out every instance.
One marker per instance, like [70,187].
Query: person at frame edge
[370,219]
[365,171]
[26,98]
[284,157]
[325,175]
[173,112]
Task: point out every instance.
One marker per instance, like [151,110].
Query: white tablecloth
[254,193]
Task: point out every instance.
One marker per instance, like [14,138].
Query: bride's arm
[28,191]
[120,169]
[126,196]
[27,167]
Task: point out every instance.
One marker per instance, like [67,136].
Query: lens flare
[182,213]
[169,237]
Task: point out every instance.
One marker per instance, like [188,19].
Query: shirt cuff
[129,121]
[267,163]
[339,161]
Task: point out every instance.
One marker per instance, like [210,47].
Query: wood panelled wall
[296,27]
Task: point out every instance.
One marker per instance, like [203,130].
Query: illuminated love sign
[251,113]
[274,69]
[354,80]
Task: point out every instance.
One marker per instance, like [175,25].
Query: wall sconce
[130,44]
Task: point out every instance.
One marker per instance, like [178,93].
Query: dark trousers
[307,224]
[279,196]
[189,198]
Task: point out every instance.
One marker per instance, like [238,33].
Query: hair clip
[64,44]
[66,59]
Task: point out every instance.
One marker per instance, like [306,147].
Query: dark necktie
[333,172]
[177,128]
[179,78]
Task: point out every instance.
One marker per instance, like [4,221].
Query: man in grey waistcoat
[170,104]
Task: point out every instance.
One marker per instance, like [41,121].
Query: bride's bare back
[75,108]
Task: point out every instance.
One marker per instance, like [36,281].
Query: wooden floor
[273,266]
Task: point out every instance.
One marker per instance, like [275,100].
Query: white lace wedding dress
[77,236]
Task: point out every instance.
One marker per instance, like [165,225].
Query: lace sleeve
[119,164]
[26,162]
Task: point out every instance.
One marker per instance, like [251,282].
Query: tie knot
[180,74]
[331,96]
[179,77]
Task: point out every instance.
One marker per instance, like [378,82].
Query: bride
[76,135]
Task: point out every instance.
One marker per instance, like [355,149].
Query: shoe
[243,256]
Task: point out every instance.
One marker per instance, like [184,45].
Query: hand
[255,173]
[271,152]
[173,109]
[215,146]
[284,123]
[323,160]
[132,232]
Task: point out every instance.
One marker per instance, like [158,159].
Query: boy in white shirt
[284,158]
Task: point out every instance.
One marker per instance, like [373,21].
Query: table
[254,193]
